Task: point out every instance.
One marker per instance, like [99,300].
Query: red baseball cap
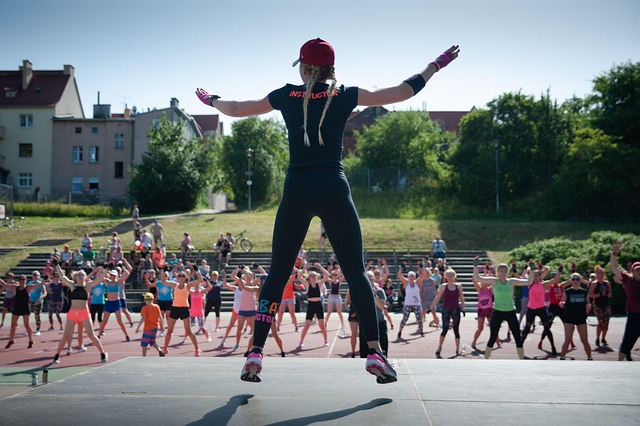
[316,52]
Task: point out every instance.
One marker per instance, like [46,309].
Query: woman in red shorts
[79,311]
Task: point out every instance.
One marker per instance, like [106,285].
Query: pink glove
[205,97]
[447,57]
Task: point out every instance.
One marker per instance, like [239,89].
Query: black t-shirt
[575,308]
[289,101]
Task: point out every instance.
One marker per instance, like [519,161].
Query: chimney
[68,70]
[27,73]
[174,103]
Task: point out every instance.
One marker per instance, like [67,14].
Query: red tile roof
[45,88]
[450,120]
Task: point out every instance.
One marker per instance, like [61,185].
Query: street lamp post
[497,180]
[249,151]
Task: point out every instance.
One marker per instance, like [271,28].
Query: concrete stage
[208,391]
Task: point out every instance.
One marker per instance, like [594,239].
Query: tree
[174,172]
[268,140]
[408,141]
[596,178]
[531,137]
[616,103]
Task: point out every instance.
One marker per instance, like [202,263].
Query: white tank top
[412,292]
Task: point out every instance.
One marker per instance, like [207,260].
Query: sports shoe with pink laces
[252,367]
[378,365]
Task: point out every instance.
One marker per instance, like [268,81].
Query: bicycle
[11,224]
[244,242]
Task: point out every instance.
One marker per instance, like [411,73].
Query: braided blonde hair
[318,73]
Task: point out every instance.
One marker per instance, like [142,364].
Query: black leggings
[631,333]
[212,304]
[449,314]
[546,323]
[96,309]
[324,193]
[496,321]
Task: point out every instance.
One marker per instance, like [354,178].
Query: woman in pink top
[197,306]
[485,306]
[537,306]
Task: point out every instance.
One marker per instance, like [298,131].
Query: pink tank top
[197,308]
[485,299]
[536,296]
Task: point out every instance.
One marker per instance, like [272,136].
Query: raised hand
[446,57]
[206,97]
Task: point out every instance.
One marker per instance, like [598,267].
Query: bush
[66,210]
[586,254]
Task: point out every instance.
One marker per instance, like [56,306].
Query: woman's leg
[68,332]
[353,326]
[289,230]
[478,331]
[122,327]
[88,328]
[104,322]
[582,332]
[189,333]
[568,335]
[167,338]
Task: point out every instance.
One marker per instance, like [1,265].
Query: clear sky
[142,53]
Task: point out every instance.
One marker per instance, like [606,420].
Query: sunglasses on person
[575,279]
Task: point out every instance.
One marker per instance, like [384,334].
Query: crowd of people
[190,292]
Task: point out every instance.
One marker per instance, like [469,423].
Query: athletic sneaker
[378,365]
[104,357]
[82,348]
[37,333]
[69,351]
[604,343]
[30,345]
[283,354]
[252,367]
[128,339]
[235,348]
[438,351]
[198,353]
[160,353]
[598,342]
[9,344]
[56,359]
[326,343]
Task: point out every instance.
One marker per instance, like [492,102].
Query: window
[94,154]
[118,170]
[94,130]
[25,180]
[77,154]
[76,184]
[94,184]
[78,129]
[26,150]
[119,140]
[26,120]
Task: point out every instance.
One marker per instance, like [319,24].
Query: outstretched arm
[409,87]
[235,108]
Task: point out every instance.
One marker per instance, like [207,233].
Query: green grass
[492,235]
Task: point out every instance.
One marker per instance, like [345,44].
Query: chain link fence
[6,202]
[391,178]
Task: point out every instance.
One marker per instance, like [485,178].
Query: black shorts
[165,305]
[179,312]
[315,309]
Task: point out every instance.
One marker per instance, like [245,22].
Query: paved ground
[410,346]
[318,384]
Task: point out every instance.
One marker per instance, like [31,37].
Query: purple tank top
[451,298]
